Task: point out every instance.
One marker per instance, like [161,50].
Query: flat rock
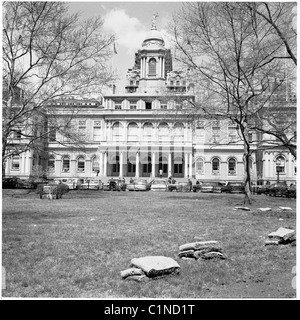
[264,209]
[156,265]
[137,278]
[131,272]
[187,254]
[272,242]
[285,208]
[212,255]
[197,245]
[242,208]
[282,234]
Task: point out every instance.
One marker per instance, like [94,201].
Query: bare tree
[231,57]
[47,54]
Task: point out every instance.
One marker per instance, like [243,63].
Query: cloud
[129,31]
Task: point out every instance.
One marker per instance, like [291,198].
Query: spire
[153,27]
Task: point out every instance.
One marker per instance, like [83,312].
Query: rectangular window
[178,168]
[82,130]
[52,135]
[232,134]
[15,163]
[118,107]
[163,106]
[97,131]
[17,135]
[66,165]
[216,134]
[132,106]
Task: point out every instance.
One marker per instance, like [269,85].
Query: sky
[130,22]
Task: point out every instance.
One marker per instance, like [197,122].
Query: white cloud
[129,31]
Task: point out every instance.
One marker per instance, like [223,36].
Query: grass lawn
[77,246]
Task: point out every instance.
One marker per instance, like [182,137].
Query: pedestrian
[190,184]
[160,173]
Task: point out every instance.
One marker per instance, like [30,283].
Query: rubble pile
[150,267]
[281,236]
[201,250]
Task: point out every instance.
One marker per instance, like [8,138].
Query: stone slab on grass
[264,209]
[282,234]
[198,245]
[131,272]
[156,265]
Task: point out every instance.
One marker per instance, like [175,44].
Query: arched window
[117,131]
[147,131]
[95,164]
[66,164]
[152,67]
[163,132]
[80,164]
[132,131]
[178,132]
[215,165]
[280,164]
[231,166]
[51,163]
[199,166]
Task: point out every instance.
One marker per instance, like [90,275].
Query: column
[191,166]
[163,66]
[147,67]
[105,165]
[101,164]
[169,164]
[22,171]
[121,164]
[153,165]
[137,165]
[159,67]
[186,165]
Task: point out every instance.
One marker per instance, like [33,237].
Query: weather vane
[155,15]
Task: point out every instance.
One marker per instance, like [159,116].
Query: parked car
[139,185]
[233,187]
[71,183]
[211,186]
[115,185]
[25,184]
[291,191]
[278,189]
[159,185]
[91,184]
[184,186]
[55,190]
[9,183]
[197,187]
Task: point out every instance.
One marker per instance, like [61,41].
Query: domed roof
[154,35]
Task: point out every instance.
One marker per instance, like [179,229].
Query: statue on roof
[155,15]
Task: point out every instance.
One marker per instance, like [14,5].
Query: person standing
[160,173]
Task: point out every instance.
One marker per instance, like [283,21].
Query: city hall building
[148,131]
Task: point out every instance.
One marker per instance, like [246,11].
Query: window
[15,163]
[97,131]
[148,106]
[80,164]
[250,136]
[118,107]
[199,166]
[131,82]
[216,134]
[231,166]
[137,83]
[178,165]
[51,163]
[52,134]
[147,131]
[232,133]
[132,106]
[132,131]
[178,132]
[177,83]
[116,165]
[280,164]
[66,164]
[117,131]
[82,130]
[95,164]
[163,132]
[152,67]
[216,165]
[171,82]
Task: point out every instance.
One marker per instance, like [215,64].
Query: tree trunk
[247,154]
